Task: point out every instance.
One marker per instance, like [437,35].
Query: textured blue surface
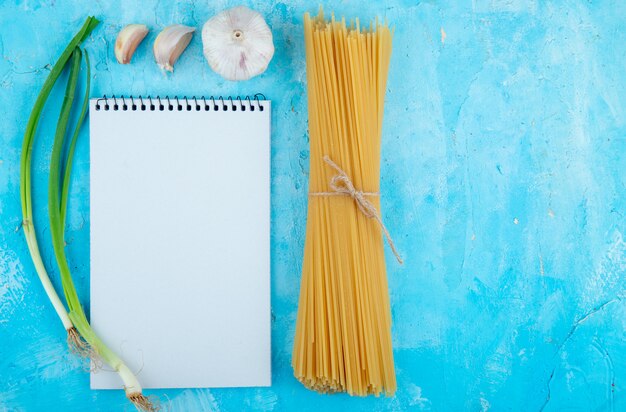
[503,186]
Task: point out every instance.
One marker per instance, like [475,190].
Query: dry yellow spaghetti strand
[343,330]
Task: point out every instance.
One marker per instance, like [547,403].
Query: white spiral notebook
[180,239]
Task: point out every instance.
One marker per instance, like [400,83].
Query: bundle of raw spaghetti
[343,331]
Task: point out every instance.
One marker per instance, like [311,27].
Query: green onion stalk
[76,344]
[58,189]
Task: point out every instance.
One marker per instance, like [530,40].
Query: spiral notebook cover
[180,240]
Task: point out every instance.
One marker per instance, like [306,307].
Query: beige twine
[343,186]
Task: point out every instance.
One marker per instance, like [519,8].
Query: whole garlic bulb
[237,43]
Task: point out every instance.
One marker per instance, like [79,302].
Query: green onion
[73,339]
[75,320]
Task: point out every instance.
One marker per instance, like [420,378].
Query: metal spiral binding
[172,104]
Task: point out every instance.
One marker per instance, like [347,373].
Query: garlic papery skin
[127,41]
[237,43]
[170,44]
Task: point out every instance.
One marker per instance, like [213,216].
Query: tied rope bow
[342,185]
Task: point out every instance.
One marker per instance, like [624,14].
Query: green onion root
[78,346]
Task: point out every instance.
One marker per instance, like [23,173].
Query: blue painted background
[503,185]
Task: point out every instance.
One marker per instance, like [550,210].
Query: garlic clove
[170,44]
[237,43]
[127,41]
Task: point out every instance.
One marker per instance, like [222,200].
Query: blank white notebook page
[180,243]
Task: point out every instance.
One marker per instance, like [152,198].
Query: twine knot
[342,185]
